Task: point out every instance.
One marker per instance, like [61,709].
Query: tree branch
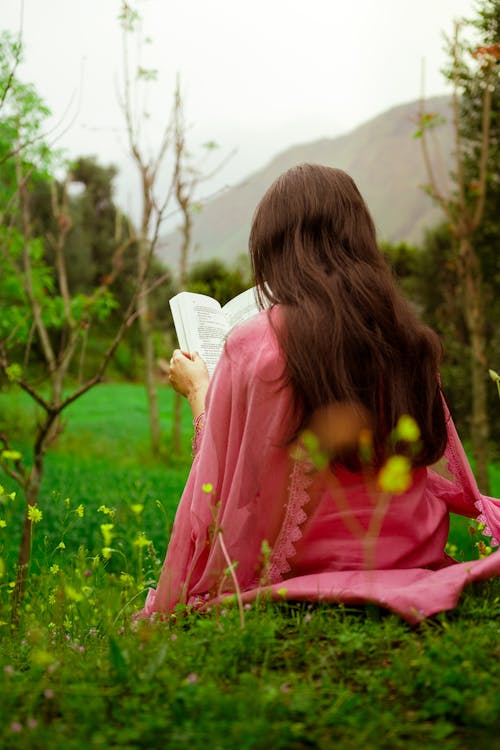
[434,188]
[35,305]
[456,126]
[485,143]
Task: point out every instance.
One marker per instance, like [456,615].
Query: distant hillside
[381,155]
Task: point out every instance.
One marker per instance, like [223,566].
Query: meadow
[78,672]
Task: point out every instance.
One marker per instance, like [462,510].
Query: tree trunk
[476,325]
[149,367]
[186,242]
[144,312]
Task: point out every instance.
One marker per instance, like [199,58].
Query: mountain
[381,155]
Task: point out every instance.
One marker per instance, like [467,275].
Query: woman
[294,489]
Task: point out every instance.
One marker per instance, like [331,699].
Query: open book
[202,324]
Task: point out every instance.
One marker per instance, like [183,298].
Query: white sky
[258,75]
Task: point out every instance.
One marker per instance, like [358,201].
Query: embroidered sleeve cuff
[199,424]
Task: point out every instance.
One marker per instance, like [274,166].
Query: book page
[200,325]
[241,308]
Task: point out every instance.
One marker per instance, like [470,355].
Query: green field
[79,674]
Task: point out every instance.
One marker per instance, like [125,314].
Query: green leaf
[10,455]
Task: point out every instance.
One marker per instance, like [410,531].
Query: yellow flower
[207,488]
[67,502]
[107,534]
[52,599]
[80,511]
[407,429]
[3,523]
[61,545]
[107,511]
[34,514]
[106,552]
[54,569]
[141,541]
[73,594]
[395,476]
[127,580]
[11,455]
[137,508]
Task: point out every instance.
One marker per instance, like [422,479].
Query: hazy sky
[258,75]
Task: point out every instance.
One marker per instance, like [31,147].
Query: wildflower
[61,545]
[80,511]
[395,475]
[9,669]
[11,455]
[16,727]
[87,573]
[483,549]
[173,637]
[52,599]
[407,429]
[127,580]
[32,723]
[192,678]
[67,502]
[141,540]
[73,594]
[137,508]
[106,552]
[308,618]
[207,488]
[313,451]
[3,523]
[106,531]
[34,514]
[107,511]
[48,693]
[54,569]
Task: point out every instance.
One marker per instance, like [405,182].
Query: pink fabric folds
[251,511]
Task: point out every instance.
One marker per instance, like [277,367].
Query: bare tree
[188,176]
[57,360]
[153,208]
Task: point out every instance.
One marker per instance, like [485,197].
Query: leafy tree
[41,319]
[214,278]
[475,78]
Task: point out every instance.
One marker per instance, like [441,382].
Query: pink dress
[249,506]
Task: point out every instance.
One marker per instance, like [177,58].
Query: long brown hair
[348,335]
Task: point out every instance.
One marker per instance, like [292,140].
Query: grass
[80,674]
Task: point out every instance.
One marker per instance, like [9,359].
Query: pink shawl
[245,507]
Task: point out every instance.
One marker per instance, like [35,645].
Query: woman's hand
[189,376]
